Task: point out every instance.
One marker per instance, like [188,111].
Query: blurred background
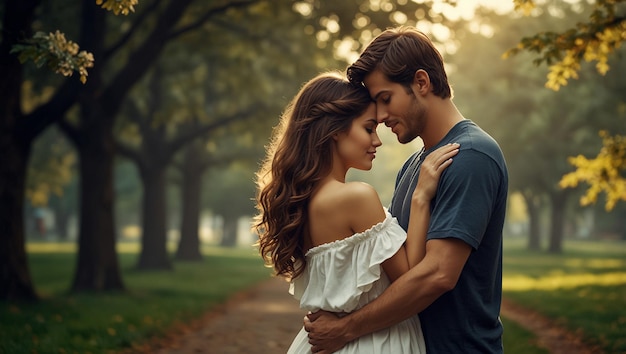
[141,124]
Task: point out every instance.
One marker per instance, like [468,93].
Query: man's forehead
[375,76]
[375,82]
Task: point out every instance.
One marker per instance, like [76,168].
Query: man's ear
[421,82]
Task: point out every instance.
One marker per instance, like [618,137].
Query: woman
[328,237]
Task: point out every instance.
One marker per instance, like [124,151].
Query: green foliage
[51,168]
[57,53]
[347,27]
[61,55]
[549,126]
[230,191]
[500,94]
[103,323]
[583,289]
[591,41]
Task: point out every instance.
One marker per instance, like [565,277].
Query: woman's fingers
[439,159]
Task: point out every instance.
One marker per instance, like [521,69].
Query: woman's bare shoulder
[354,205]
[343,195]
[363,206]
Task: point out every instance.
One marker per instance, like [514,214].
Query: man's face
[396,106]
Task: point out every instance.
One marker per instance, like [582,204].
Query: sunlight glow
[465,9]
[347,49]
[303,8]
[399,17]
[361,21]
[561,281]
[331,23]
[595,263]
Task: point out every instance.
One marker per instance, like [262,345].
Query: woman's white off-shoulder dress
[343,276]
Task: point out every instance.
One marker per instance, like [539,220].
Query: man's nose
[381,114]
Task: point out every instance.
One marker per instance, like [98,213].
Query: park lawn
[517,340]
[582,289]
[96,323]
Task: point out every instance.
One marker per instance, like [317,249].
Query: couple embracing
[425,275]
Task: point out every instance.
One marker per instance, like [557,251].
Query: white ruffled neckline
[355,238]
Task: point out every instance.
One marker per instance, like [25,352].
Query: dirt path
[266,318]
[549,335]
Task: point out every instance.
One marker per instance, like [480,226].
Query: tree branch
[141,18]
[128,151]
[139,61]
[183,139]
[52,111]
[204,18]
[70,131]
[222,160]
[254,36]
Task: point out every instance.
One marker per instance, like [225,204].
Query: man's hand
[327,332]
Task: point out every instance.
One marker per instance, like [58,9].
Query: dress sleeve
[338,273]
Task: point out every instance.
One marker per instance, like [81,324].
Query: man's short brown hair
[398,53]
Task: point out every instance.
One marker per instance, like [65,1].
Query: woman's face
[356,148]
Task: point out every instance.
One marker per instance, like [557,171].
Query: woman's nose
[376,142]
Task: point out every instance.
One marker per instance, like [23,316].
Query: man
[456,289]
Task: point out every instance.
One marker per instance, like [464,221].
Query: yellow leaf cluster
[603,174]
[123,7]
[597,49]
[525,6]
[563,71]
[64,55]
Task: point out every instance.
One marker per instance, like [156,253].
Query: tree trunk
[229,234]
[15,280]
[533,207]
[15,145]
[61,221]
[97,265]
[154,224]
[189,244]
[110,98]
[559,201]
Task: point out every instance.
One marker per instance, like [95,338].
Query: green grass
[91,323]
[517,340]
[583,289]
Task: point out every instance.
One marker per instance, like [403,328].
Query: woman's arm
[414,248]
[419,218]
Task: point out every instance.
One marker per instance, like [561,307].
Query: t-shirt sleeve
[465,198]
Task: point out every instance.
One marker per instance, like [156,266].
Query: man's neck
[442,118]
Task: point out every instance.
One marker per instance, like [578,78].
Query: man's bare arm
[436,274]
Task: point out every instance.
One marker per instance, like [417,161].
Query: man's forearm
[407,296]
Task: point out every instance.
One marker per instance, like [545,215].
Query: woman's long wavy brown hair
[298,157]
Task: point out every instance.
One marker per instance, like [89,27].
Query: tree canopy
[593,40]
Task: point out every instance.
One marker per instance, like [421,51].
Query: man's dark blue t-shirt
[469,205]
